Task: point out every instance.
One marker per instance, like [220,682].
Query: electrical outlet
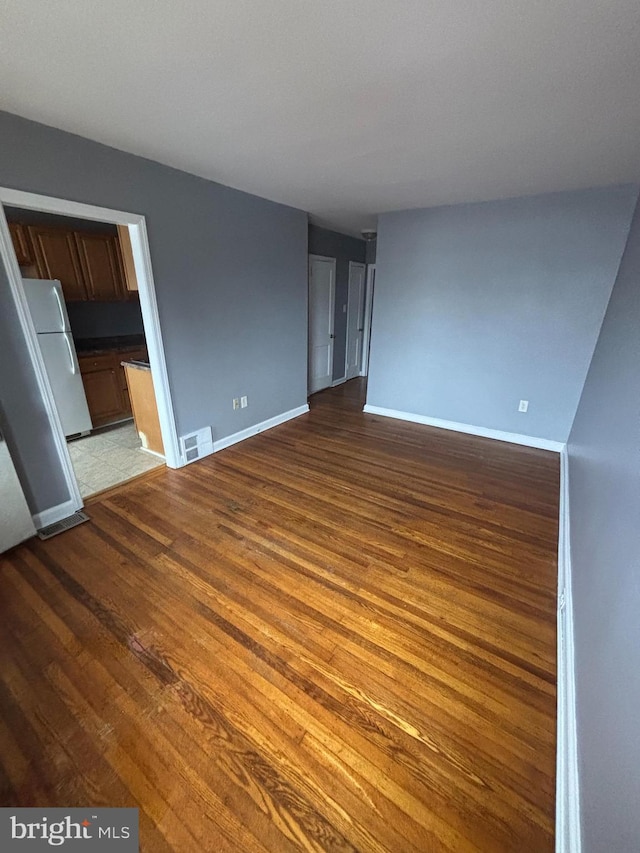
[344,309]
[524,406]
[236,403]
[243,402]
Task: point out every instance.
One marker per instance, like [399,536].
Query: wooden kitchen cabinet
[105,384]
[20,240]
[56,256]
[139,354]
[103,388]
[145,410]
[87,263]
[101,265]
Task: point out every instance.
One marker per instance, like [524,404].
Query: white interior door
[322,296]
[355,319]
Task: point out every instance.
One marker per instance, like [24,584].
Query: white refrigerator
[49,314]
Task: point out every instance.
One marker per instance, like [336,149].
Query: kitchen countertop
[137,365]
[117,342]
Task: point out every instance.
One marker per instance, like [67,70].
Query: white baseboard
[153,453]
[54,514]
[337,382]
[261,427]
[568,838]
[484,432]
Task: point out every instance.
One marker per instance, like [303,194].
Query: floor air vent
[60,526]
[197,444]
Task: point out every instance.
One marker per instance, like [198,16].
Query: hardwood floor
[338,635]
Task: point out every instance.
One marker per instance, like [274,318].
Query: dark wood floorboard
[338,635]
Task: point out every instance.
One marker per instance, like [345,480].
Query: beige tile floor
[108,457]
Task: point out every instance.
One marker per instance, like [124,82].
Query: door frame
[150,318]
[353,264]
[334,264]
[368,314]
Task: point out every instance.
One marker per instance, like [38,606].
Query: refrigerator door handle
[63,319]
[70,348]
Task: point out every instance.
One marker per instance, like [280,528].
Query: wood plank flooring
[338,635]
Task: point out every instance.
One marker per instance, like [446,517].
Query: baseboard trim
[337,382]
[55,513]
[483,432]
[153,453]
[568,839]
[261,427]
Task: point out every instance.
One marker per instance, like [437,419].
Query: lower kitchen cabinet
[128,355]
[105,384]
[104,395]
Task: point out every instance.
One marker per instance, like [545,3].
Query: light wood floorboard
[338,635]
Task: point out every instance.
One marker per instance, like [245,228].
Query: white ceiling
[345,108]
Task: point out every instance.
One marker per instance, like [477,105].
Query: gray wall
[478,306]
[604,479]
[23,419]
[230,272]
[344,249]
[370,251]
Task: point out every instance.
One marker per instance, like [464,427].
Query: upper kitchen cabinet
[56,256]
[87,263]
[20,241]
[102,266]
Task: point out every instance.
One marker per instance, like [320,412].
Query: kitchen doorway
[368,314]
[322,297]
[134,229]
[355,320]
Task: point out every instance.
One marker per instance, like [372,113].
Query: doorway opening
[368,314]
[84,302]
[82,282]
[355,296]
[355,320]
[322,299]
